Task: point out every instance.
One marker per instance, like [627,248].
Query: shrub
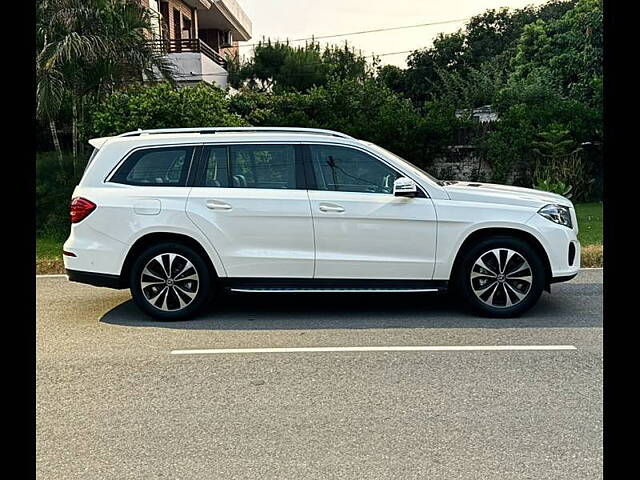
[527,110]
[54,187]
[162,106]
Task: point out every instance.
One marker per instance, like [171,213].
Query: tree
[279,67]
[261,71]
[490,37]
[567,51]
[86,49]
[392,77]
[478,86]
[448,53]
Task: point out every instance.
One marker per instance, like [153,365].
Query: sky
[293,19]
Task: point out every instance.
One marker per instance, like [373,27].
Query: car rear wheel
[170,281]
[501,277]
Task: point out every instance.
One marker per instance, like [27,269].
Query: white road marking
[401,348]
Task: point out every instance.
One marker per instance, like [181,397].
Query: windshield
[406,163]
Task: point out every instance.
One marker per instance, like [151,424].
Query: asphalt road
[114,403]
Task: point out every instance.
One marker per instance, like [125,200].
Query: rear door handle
[329,208]
[217,205]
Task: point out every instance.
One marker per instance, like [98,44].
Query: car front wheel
[501,277]
[170,281]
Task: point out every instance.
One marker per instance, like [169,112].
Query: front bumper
[562,247]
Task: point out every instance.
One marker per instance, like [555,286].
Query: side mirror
[405,187]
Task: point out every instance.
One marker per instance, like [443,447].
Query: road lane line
[402,348]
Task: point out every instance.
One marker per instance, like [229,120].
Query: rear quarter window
[156,167]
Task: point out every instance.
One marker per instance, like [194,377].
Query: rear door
[363,231]
[251,203]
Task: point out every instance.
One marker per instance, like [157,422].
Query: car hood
[503,194]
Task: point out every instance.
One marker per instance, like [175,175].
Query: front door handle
[329,208]
[217,205]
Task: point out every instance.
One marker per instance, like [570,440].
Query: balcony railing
[188,45]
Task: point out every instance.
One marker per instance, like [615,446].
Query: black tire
[482,250]
[174,310]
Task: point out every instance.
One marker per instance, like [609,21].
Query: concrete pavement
[112,402]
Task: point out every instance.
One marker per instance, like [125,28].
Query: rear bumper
[95,279]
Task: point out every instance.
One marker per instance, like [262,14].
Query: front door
[250,201]
[362,231]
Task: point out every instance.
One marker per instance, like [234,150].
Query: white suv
[176,214]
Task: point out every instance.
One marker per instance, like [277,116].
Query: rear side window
[216,164]
[263,166]
[156,167]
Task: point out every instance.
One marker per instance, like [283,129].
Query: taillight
[80,209]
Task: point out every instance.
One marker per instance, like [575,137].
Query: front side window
[156,167]
[349,170]
[263,166]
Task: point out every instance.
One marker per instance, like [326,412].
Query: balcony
[193,61]
[226,15]
[189,45]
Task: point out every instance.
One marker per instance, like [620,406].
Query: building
[196,36]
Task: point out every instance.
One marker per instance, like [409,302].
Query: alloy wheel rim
[169,282]
[501,278]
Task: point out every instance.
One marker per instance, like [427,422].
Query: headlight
[557,214]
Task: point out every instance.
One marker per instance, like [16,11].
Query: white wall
[194,67]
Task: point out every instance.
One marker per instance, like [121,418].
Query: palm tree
[87,49]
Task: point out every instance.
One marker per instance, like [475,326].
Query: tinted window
[156,167]
[216,167]
[263,166]
[349,170]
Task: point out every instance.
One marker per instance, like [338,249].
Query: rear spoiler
[99,142]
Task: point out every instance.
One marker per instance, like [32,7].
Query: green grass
[48,248]
[590,223]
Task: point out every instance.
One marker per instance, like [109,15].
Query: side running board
[332,290]
[322,285]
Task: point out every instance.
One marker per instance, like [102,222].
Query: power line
[360,32]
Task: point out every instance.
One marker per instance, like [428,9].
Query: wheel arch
[483,233]
[154,238]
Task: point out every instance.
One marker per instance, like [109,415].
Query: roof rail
[208,130]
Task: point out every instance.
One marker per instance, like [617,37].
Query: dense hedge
[161,106]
